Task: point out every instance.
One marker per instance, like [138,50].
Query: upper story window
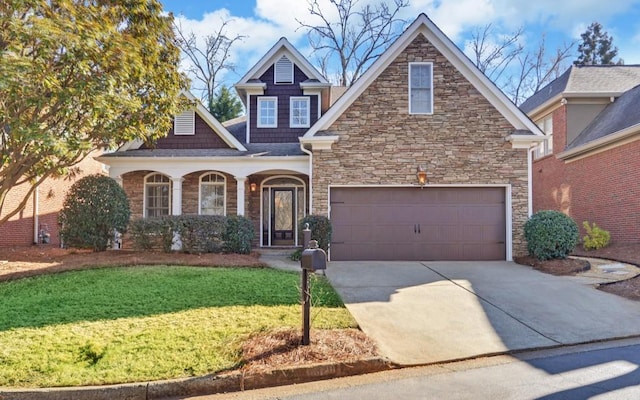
[212,194]
[267,112]
[283,71]
[157,188]
[185,123]
[420,88]
[300,113]
[545,147]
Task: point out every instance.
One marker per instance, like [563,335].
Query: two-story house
[589,167]
[423,158]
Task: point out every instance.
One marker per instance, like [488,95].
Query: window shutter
[185,123]
[284,70]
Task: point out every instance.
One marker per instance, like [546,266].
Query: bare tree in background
[517,72]
[208,61]
[357,38]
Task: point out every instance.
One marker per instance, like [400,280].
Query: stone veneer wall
[463,142]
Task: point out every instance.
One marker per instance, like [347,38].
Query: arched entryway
[283,200]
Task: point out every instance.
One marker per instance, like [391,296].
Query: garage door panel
[454,223]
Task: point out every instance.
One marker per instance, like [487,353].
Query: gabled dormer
[283,95]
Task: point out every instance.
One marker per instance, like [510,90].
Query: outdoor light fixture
[253,186]
[421,174]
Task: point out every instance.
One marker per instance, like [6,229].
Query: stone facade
[461,143]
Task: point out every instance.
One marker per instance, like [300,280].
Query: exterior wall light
[421,174]
[253,187]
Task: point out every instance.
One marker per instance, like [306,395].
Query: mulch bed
[567,266]
[626,253]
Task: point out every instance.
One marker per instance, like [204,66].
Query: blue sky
[263,22]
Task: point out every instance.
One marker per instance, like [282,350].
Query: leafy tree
[94,209]
[597,47]
[225,105]
[80,75]
[208,59]
[360,34]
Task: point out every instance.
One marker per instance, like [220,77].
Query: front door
[283,216]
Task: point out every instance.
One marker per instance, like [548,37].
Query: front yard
[129,324]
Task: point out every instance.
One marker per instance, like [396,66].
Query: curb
[204,385]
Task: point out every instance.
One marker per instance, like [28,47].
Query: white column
[240,193]
[176,198]
[119,180]
[116,243]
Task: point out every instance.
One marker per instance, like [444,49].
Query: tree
[95,208]
[76,76]
[597,47]
[357,38]
[225,105]
[208,61]
[517,71]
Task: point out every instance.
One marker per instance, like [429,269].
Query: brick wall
[18,231]
[602,188]
[463,142]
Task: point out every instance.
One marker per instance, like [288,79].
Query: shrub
[153,233]
[197,233]
[238,235]
[550,234]
[596,238]
[94,209]
[320,230]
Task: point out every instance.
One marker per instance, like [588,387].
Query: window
[545,147]
[185,123]
[283,71]
[299,112]
[157,200]
[267,112]
[420,88]
[212,190]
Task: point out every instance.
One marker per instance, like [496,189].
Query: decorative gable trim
[424,26]
[283,70]
[209,119]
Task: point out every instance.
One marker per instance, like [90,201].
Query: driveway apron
[425,312]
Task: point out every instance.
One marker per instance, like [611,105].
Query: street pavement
[603,371]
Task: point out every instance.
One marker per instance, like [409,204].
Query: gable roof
[282,47]
[209,119]
[586,80]
[617,121]
[424,26]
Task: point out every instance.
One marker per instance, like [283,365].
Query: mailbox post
[312,259]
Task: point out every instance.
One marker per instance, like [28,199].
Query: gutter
[310,176]
[601,142]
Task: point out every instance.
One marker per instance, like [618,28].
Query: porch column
[176,198]
[240,193]
[116,243]
[119,180]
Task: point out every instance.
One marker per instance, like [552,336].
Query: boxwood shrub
[550,234]
[238,235]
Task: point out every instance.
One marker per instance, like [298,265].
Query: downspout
[530,180]
[310,176]
[36,212]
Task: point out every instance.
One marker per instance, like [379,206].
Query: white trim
[144,191]
[424,26]
[264,184]
[248,123]
[508,205]
[608,140]
[307,100]
[524,141]
[265,99]
[410,87]
[224,190]
[184,124]
[319,142]
[240,194]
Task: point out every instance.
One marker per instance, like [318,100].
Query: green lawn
[145,323]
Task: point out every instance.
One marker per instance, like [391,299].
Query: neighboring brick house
[40,215]
[589,168]
[421,111]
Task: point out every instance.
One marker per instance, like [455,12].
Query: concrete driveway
[425,312]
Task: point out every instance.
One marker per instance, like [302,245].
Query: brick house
[589,167]
[40,215]
[422,158]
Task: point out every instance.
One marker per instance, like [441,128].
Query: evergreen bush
[550,235]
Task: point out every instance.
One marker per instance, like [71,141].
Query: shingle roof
[617,116]
[238,128]
[586,79]
[253,150]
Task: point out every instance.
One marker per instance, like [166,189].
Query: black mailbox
[313,259]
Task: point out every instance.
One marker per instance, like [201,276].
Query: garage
[418,224]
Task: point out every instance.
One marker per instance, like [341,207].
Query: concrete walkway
[430,312]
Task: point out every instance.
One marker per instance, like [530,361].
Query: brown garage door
[418,224]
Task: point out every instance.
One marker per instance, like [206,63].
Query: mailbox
[313,259]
